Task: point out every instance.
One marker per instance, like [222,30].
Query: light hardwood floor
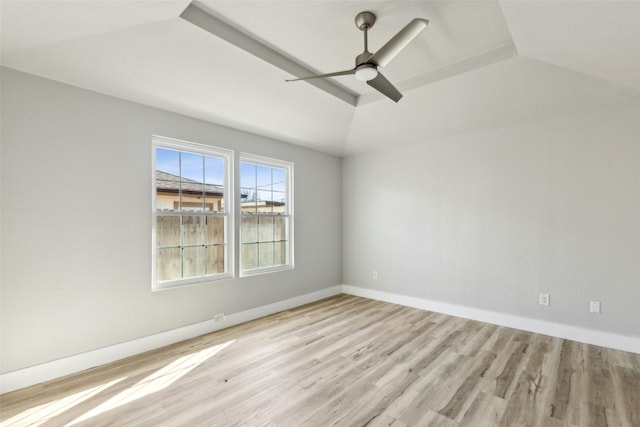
[348,361]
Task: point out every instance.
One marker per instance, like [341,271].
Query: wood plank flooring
[347,361]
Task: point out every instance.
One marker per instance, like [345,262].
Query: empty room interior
[314,213]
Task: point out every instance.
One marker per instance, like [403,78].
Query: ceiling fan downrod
[364,71]
[364,21]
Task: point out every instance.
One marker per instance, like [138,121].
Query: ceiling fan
[367,63]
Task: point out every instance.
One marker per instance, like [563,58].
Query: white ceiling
[478,63]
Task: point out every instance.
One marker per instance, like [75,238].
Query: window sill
[190,282]
[258,271]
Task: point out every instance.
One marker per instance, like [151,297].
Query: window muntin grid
[191,212]
[266,215]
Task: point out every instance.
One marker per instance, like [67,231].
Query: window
[191,213]
[266,214]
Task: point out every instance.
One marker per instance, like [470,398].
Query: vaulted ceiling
[478,64]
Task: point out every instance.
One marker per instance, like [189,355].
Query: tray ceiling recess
[203,17]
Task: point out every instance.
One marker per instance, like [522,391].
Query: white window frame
[276,163]
[229,209]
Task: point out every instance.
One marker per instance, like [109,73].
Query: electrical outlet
[544,299]
[375,275]
[594,307]
[218,317]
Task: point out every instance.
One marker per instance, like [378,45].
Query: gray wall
[490,219]
[485,220]
[76,191]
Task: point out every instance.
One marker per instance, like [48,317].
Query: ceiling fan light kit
[366,72]
[367,63]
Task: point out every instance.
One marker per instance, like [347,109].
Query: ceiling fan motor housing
[363,58]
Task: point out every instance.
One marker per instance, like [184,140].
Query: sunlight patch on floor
[42,413]
[155,382]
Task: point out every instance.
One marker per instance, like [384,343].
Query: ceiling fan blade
[382,85]
[337,73]
[398,42]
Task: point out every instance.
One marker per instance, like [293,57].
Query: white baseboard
[21,378]
[559,330]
